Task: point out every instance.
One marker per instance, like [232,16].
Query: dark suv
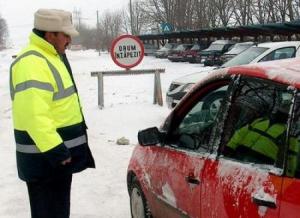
[211,55]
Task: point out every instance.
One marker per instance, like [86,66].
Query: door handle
[263,202]
[192,180]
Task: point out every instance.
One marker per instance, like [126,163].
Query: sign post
[127,51]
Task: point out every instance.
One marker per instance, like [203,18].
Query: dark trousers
[50,198]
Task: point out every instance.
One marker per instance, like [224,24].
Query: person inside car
[260,140]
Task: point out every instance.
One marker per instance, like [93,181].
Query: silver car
[165,51]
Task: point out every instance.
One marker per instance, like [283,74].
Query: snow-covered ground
[100,192]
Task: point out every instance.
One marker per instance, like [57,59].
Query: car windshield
[238,49]
[180,48]
[195,47]
[215,47]
[245,57]
[169,46]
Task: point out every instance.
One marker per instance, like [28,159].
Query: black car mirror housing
[150,136]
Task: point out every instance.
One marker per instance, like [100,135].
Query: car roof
[223,41]
[278,44]
[245,43]
[285,71]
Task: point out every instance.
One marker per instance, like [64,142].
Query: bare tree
[136,20]
[188,14]
[260,11]
[110,28]
[242,12]
[296,9]
[200,15]
[281,6]
[3,33]
[225,10]
[160,11]
[290,9]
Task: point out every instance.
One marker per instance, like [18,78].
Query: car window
[194,130]
[256,125]
[245,57]
[293,163]
[215,47]
[238,48]
[281,53]
[168,46]
[227,47]
[180,48]
[195,47]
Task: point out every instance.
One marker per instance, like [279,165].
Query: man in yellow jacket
[49,127]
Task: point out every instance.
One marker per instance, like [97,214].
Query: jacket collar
[42,44]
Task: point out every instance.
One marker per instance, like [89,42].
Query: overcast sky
[19,13]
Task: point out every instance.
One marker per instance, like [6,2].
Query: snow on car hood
[194,77]
[286,71]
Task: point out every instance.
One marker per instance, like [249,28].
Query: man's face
[60,41]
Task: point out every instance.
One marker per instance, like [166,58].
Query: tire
[138,203]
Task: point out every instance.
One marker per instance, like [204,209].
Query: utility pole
[77,14]
[98,33]
[131,18]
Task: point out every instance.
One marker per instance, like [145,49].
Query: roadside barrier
[157,96]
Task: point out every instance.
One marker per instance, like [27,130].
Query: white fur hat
[53,20]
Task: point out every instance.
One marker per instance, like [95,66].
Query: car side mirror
[150,136]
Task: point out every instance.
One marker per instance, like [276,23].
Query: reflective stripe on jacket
[259,136]
[49,126]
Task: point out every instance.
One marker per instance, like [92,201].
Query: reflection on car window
[255,129]
[195,128]
[281,53]
[245,57]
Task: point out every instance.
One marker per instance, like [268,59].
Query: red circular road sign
[127,51]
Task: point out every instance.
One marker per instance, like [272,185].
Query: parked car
[267,51]
[176,54]
[211,55]
[235,50]
[185,169]
[164,51]
[258,53]
[190,55]
[149,49]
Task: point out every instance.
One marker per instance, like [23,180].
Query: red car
[176,54]
[190,55]
[199,165]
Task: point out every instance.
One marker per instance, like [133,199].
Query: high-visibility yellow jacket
[252,136]
[262,137]
[48,122]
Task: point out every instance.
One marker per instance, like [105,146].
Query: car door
[242,182]
[175,175]
[290,203]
